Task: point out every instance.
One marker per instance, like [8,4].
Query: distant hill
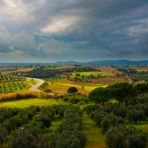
[90,63]
[106,63]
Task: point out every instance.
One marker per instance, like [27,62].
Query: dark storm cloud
[74,29]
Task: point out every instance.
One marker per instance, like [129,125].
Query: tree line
[122,92]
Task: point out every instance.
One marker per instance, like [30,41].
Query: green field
[30,102]
[94,73]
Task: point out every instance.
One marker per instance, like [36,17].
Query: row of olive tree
[21,128]
[70,134]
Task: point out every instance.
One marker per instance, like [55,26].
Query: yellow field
[61,86]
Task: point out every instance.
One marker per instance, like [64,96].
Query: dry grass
[20,95]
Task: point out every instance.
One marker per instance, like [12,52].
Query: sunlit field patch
[61,86]
[24,69]
[94,73]
[30,102]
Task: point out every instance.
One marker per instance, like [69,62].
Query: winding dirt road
[34,87]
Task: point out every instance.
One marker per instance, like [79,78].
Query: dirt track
[34,87]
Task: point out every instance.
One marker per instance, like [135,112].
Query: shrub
[115,137]
[97,116]
[120,111]
[72,90]
[137,140]
[23,139]
[69,134]
[122,137]
[109,121]
[44,119]
[135,115]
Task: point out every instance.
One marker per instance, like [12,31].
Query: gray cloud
[74,29]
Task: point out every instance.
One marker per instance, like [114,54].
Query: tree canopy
[72,90]
[99,95]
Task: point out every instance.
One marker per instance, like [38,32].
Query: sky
[73,30]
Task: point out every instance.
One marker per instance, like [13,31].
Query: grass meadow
[30,102]
[95,139]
